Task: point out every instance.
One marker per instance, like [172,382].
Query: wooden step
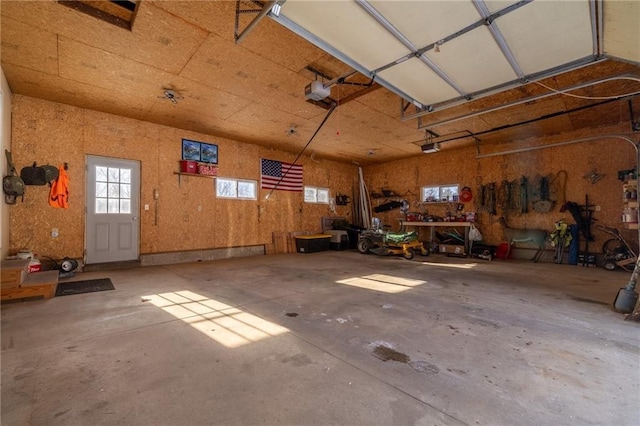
[14,272]
[35,284]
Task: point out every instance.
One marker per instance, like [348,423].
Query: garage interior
[217,317]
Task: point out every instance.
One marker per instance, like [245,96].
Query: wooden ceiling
[254,91]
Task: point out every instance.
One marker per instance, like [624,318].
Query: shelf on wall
[194,174]
[180,174]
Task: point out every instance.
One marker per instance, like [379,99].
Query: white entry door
[113,202]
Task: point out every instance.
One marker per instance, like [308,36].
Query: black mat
[86,286]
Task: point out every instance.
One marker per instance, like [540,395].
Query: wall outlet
[597,208]
[146,206]
[54,233]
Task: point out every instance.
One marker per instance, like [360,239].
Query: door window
[113,190]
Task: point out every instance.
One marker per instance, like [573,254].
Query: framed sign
[208,153]
[190,150]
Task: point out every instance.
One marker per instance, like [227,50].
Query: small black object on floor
[86,286]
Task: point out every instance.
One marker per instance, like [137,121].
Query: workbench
[433,225]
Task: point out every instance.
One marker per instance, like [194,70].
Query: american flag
[278,175]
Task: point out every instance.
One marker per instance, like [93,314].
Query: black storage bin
[312,243]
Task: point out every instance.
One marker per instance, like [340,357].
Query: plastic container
[34,263]
[339,240]
[187,166]
[207,169]
[630,215]
[312,243]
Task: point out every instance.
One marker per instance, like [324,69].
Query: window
[440,193]
[236,188]
[113,190]
[313,194]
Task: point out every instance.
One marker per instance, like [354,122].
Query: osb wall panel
[460,166]
[187,215]
[49,135]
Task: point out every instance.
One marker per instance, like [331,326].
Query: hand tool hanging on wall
[491,197]
[514,194]
[480,198]
[502,196]
[507,193]
[524,195]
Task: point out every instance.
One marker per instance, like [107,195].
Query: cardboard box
[451,249]
[312,243]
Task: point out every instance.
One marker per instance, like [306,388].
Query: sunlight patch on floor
[452,265]
[381,282]
[223,323]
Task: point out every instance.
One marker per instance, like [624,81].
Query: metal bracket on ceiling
[521,123]
[521,101]
[267,7]
[317,72]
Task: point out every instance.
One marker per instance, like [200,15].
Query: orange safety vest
[59,194]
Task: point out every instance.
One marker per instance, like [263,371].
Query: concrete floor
[376,340]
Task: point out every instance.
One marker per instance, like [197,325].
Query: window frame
[454,198]
[236,195]
[318,190]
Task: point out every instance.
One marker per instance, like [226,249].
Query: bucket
[625,300]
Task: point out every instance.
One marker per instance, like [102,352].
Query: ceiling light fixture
[292,131]
[171,95]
